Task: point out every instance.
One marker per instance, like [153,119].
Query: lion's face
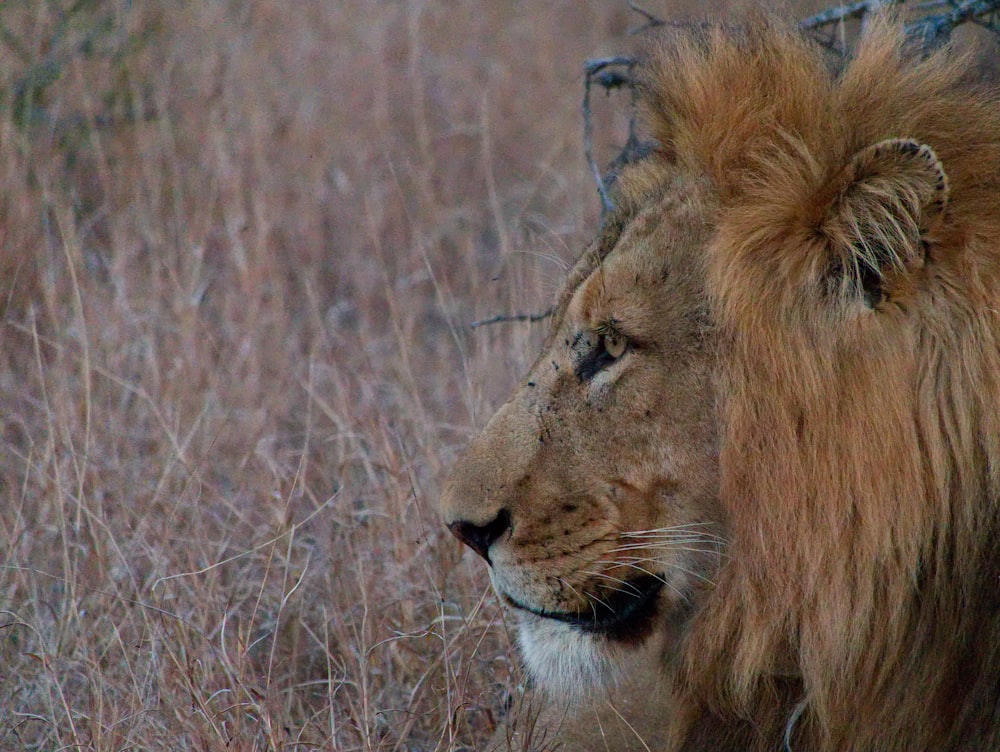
[592,492]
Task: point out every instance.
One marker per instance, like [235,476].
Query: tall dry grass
[241,246]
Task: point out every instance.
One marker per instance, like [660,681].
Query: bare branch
[935,30]
[827,27]
[836,15]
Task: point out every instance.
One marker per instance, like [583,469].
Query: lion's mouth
[626,615]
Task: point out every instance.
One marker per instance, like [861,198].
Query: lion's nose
[480,537]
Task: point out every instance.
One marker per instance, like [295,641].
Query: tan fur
[810,271]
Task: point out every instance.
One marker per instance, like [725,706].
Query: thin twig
[532,317]
[651,21]
[836,15]
[603,71]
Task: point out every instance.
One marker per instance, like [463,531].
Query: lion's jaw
[593,492]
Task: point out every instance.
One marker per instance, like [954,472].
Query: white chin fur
[569,663]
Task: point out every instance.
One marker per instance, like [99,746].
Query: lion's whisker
[661,578]
[673,536]
[670,529]
[634,563]
[587,597]
[696,575]
[689,549]
[689,545]
[635,591]
[668,541]
[657,534]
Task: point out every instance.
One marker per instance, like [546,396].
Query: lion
[759,453]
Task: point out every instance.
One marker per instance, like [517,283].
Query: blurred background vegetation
[241,243]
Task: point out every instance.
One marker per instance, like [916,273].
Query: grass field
[242,244]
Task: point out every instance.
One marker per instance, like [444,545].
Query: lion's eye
[609,347]
[614,345]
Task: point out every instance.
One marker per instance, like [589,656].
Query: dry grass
[242,242]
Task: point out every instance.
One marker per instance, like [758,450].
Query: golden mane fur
[860,453]
[789,335]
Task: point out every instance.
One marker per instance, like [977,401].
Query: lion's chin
[575,664]
[564,660]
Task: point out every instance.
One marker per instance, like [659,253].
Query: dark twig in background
[611,73]
[651,20]
[513,317]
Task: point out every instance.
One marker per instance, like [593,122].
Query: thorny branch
[932,27]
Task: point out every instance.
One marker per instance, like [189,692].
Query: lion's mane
[859,608]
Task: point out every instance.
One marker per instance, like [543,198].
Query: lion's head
[787,338]
[592,492]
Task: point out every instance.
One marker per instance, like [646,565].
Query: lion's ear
[884,204]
